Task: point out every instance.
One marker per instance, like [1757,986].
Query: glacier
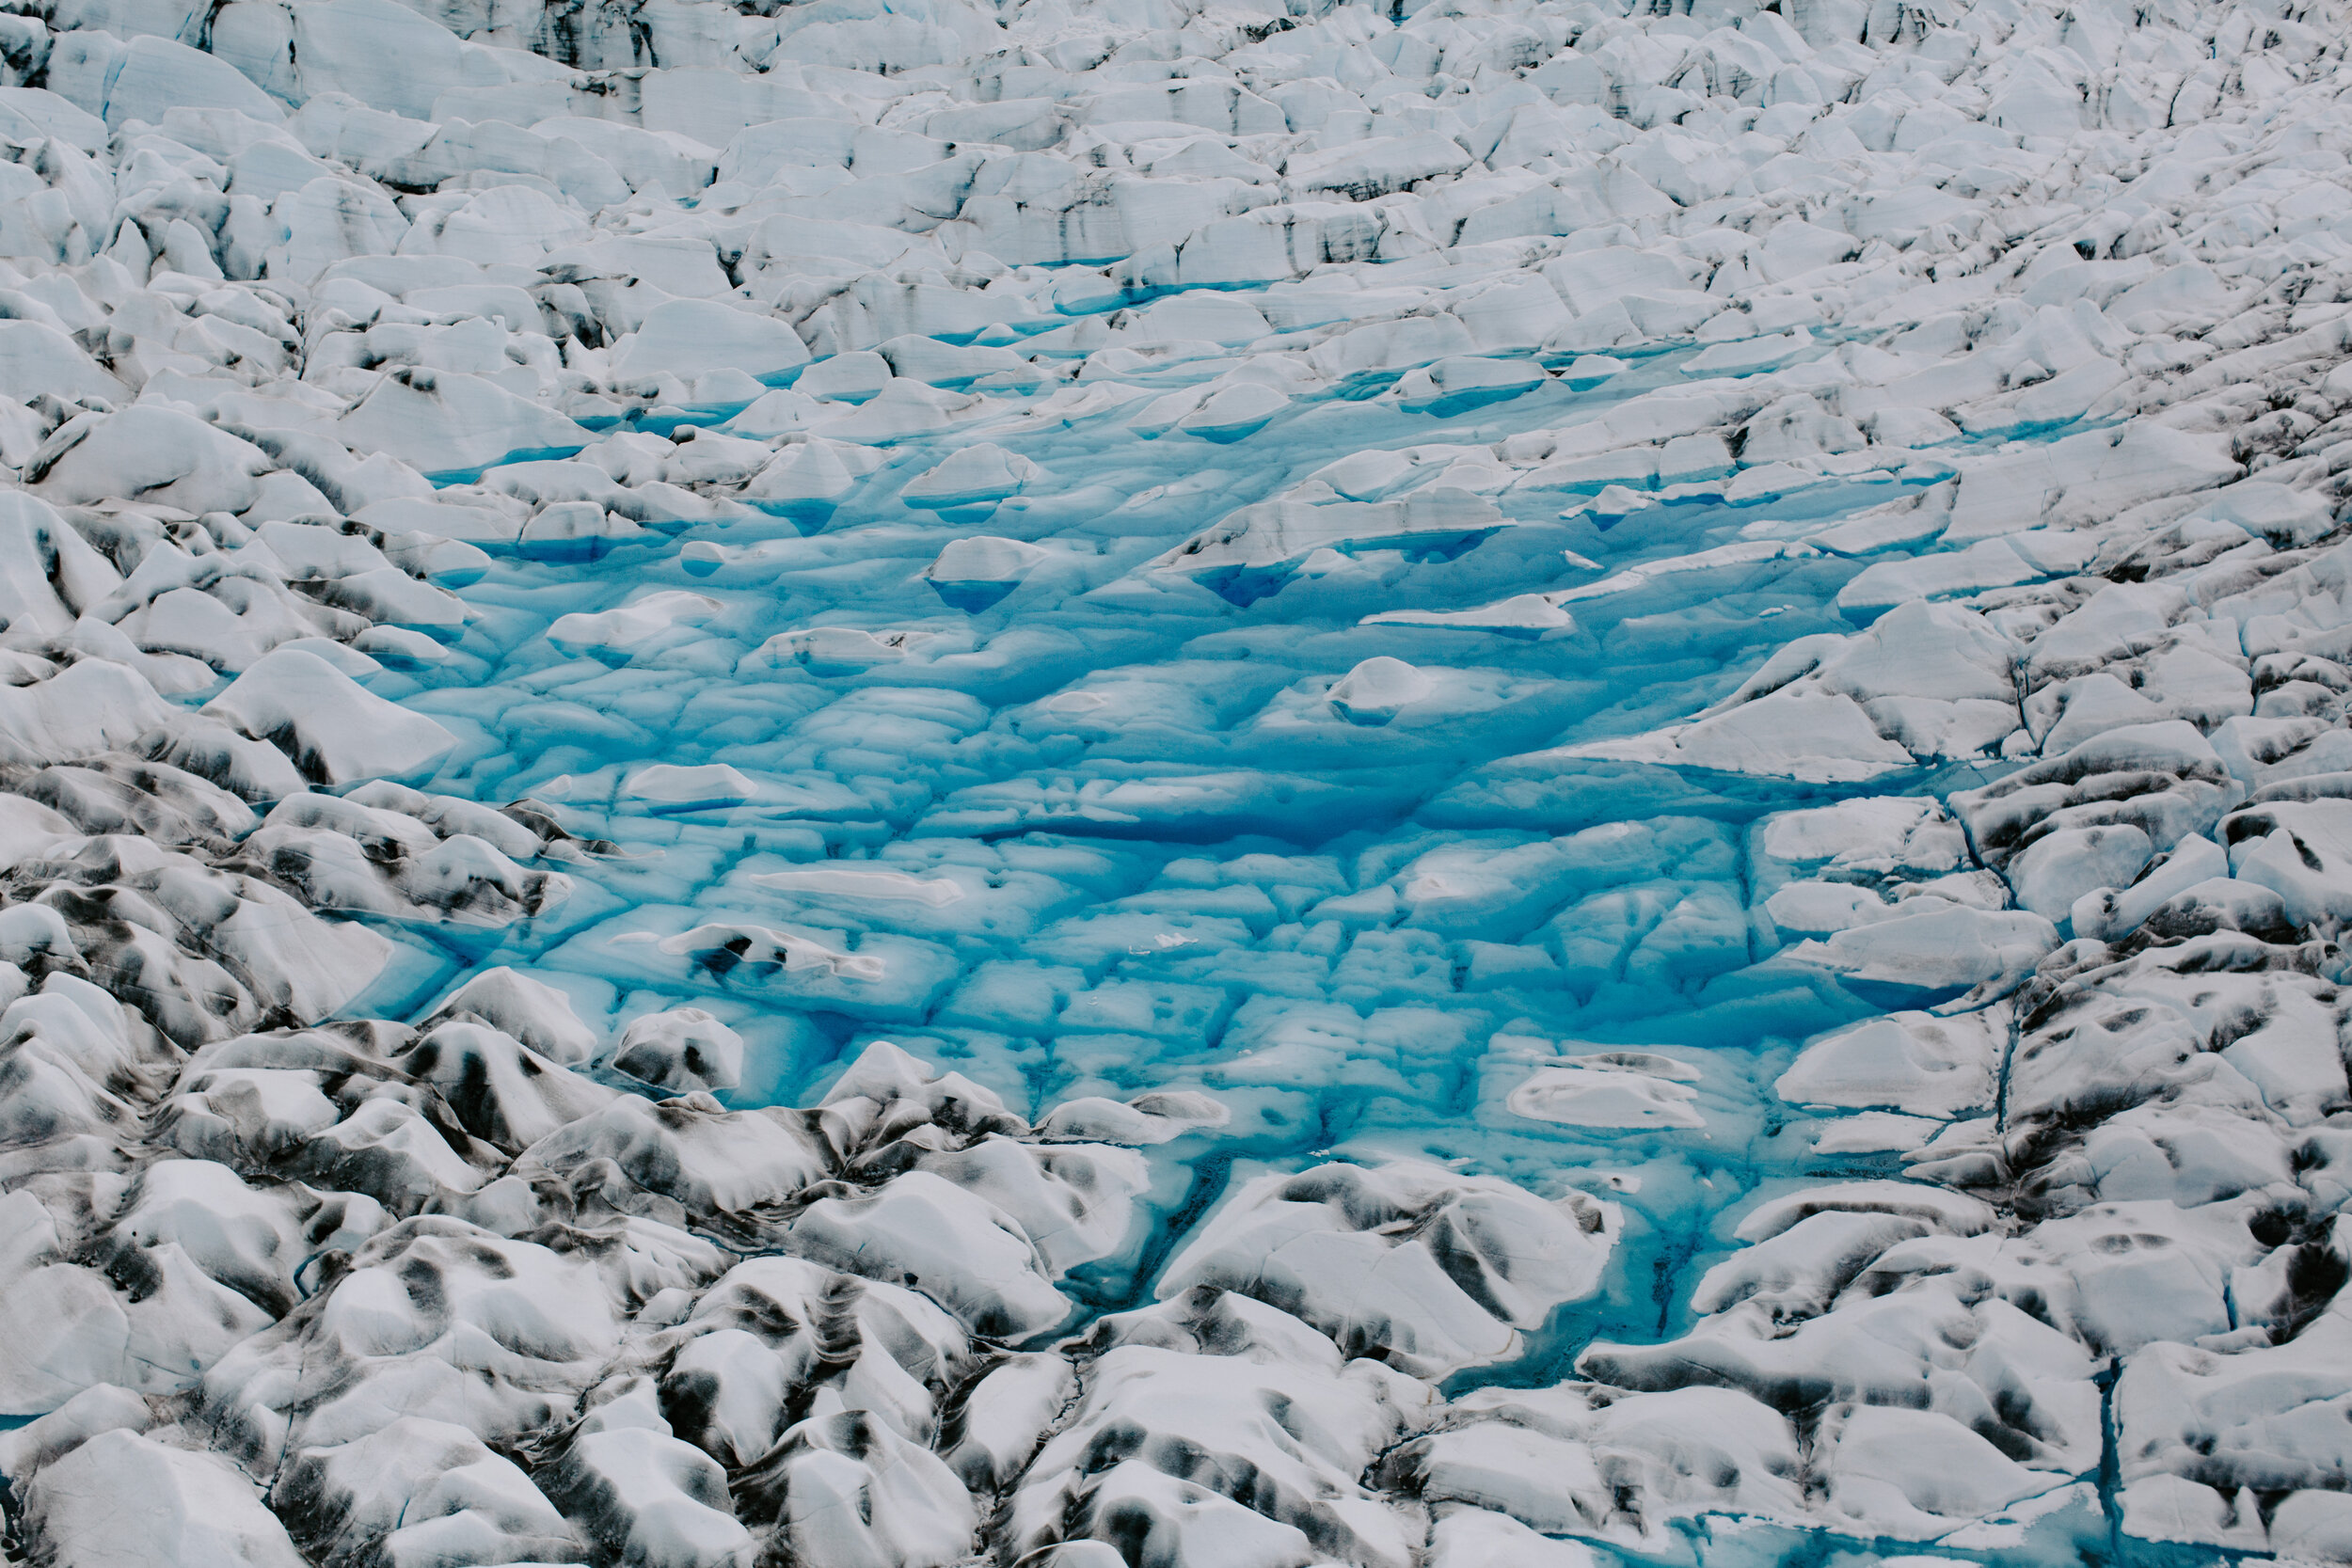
[1193,783]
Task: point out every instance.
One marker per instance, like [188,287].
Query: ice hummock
[1449,784]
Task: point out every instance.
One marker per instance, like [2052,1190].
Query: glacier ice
[1209,784]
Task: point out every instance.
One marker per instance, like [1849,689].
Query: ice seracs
[1435,1271]
[1443,783]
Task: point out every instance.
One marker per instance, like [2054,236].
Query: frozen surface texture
[1175,783]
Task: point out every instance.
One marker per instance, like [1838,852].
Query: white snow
[1464,677]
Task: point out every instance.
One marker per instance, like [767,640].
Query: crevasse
[1481,785]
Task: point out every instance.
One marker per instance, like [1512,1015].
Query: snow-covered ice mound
[1198,783]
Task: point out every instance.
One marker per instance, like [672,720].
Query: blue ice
[1107,828]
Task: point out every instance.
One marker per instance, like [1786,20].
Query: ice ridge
[1179,783]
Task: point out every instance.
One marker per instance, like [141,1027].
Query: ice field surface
[1480,785]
